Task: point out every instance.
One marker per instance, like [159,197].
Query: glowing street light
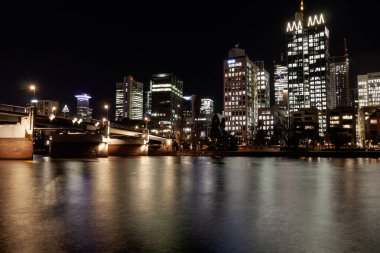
[146,119]
[33,88]
[106,107]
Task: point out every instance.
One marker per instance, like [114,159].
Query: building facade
[341,92]
[369,89]
[207,107]
[129,99]
[273,123]
[45,107]
[240,96]
[84,111]
[281,85]
[166,106]
[341,125]
[308,65]
[263,90]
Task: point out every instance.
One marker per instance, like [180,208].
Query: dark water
[190,204]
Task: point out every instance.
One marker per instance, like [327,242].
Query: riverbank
[339,154]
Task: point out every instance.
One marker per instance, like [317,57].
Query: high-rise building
[83,107]
[129,99]
[263,90]
[340,83]
[308,64]
[240,96]
[167,100]
[281,84]
[369,89]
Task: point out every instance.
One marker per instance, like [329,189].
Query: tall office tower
[167,98]
[207,107]
[263,91]
[308,65]
[240,96]
[129,99]
[83,107]
[369,89]
[339,70]
[281,84]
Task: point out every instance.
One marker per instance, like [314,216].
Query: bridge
[66,138]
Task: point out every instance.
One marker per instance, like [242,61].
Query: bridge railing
[14,108]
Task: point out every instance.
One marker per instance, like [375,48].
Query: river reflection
[190,204]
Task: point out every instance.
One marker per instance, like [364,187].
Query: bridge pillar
[103,148]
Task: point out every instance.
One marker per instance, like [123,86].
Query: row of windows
[233,98]
[242,128]
[238,93]
[234,113]
[235,103]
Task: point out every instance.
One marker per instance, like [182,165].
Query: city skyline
[68,51]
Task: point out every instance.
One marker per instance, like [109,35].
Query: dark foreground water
[190,204]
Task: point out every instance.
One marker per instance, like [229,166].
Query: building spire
[299,13]
[345,47]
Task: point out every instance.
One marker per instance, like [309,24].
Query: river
[190,204]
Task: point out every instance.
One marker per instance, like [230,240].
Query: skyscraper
[340,85]
[281,84]
[129,99]
[83,107]
[167,98]
[240,95]
[263,90]
[308,64]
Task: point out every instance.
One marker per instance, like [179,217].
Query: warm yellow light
[53,108]
[32,87]
[105,106]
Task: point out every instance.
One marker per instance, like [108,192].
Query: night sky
[70,49]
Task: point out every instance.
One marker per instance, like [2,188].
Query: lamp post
[33,88]
[106,107]
[146,119]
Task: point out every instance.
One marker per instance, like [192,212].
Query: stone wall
[16,148]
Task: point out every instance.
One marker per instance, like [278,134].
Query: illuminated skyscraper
[129,99]
[167,100]
[240,95]
[263,95]
[281,84]
[83,107]
[342,94]
[308,65]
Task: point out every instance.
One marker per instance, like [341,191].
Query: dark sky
[69,48]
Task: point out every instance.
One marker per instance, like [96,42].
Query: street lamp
[33,88]
[146,119]
[106,107]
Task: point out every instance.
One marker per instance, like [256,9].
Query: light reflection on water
[190,204]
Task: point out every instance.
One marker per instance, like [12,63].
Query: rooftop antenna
[345,47]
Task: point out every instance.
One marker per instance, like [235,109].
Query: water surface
[190,204]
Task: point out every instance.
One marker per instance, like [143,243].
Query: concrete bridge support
[16,148]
